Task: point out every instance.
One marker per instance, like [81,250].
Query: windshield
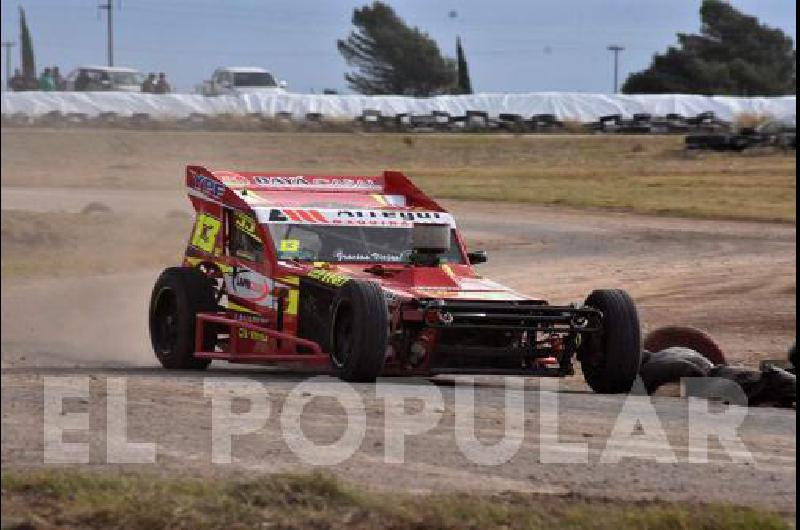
[349,244]
[253,79]
[126,78]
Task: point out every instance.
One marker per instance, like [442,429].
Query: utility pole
[613,48]
[7,44]
[109,8]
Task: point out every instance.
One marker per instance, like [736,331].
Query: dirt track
[735,279]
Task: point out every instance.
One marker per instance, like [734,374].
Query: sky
[511,45]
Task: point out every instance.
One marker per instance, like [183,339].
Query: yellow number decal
[205,232]
[246,224]
[290,245]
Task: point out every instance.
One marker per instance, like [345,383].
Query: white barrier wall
[566,106]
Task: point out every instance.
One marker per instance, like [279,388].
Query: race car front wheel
[610,358]
[360,331]
[178,295]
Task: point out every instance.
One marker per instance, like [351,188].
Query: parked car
[232,80]
[101,78]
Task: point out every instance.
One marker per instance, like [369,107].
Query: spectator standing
[82,81]
[46,81]
[149,84]
[60,82]
[162,86]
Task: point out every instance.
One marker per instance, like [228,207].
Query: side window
[296,242]
[243,241]
[454,254]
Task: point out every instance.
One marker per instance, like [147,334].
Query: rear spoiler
[389,183]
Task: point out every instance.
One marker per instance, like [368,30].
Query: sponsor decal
[296,216]
[209,186]
[252,334]
[290,245]
[246,224]
[205,233]
[402,215]
[301,181]
[371,256]
[249,285]
[233,179]
[353,217]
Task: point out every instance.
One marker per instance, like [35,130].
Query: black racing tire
[359,332]
[611,358]
[178,295]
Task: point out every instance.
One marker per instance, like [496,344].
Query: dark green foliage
[26,48]
[464,84]
[393,58]
[734,54]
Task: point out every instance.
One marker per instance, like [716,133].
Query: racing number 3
[205,232]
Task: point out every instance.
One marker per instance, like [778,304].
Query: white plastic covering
[566,106]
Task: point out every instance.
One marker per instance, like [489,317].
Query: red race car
[365,276]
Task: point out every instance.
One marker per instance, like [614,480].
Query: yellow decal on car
[449,271]
[246,224]
[205,232]
[328,277]
[240,308]
[291,306]
[252,334]
[290,245]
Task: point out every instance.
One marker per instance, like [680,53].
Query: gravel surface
[734,279]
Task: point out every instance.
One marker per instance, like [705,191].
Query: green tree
[26,48]
[734,54]
[464,85]
[393,58]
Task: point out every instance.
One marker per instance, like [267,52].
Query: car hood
[442,282]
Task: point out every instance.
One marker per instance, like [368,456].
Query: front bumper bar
[512,315]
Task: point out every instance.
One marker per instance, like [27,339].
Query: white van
[99,78]
[231,80]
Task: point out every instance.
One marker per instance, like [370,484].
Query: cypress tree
[26,48]
[464,84]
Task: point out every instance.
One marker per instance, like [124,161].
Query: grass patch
[70,498]
[649,174]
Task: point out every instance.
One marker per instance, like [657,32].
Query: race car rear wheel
[178,295]
[360,331]
[610,359]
